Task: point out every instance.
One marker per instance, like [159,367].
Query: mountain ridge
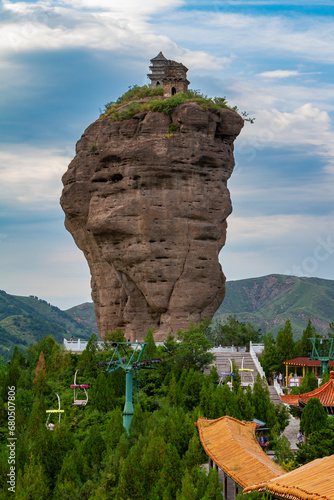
[266,302]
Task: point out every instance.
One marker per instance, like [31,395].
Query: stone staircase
[242,360]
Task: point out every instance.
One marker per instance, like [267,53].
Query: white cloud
[301,245]
[279,73]
[305,125]
[31,175]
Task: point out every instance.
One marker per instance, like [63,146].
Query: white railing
[231,348]
[255,360]
[257,348]
[75,345]
[278,387]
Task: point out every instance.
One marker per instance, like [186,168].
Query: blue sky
[61,61]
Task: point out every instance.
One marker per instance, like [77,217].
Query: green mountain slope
[267,302]
[25,320]
[84,315]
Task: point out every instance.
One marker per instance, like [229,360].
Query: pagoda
[170,75]
[325,394]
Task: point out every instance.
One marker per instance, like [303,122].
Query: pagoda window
[173,90]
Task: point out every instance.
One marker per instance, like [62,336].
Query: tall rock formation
[148,208]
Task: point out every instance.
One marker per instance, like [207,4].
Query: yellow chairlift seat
[48,424]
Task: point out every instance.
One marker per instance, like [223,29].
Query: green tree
[304,345]
[102,397]
[68,481]
[188,490]
[150,349]
[319,444]
[214,488]
[314,417]
[32,484]
[115,429]
[130,483]
[269,358]
[94,448]
[310,382]
[233,332]
[193,350]
[194,455]
[113,336]
[285,344]
[263,406]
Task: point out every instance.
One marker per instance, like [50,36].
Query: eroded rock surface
[148,209]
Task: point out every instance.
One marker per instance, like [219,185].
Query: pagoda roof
[325,394]
[313,481]
[232,445]
[305,362]
[159,57]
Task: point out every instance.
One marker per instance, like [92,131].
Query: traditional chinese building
[232,447]
[313,481]
[170,75]
[325,394]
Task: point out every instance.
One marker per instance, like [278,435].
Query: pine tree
[115,429]
[40,372]
[314,417]
[194,455]
[304,345]
[285,344]
[263,407]
[188,490]
[150,349]
[214,488]
[208,403]
[68,481]
[130,483]
[33,483]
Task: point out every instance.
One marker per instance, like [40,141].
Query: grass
[165,106]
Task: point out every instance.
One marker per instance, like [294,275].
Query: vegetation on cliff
[117,111]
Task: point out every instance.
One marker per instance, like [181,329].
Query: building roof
[232,445]
[325,394]
[159,57]
[305,362]
[313,481]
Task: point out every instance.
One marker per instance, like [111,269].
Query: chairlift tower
[323,351]
[131,357]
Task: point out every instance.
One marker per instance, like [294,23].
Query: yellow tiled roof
[313,481]
[234,448]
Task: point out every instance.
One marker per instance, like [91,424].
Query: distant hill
[267,302]
[25,320]
[84,315]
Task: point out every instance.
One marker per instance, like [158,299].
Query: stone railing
[257,363]
[231,348]
[75,345]
[278,387]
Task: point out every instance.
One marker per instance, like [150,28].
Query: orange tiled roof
[325,394]
[305,362]
[232,445]
[313,481]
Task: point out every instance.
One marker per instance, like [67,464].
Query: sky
[61,61]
